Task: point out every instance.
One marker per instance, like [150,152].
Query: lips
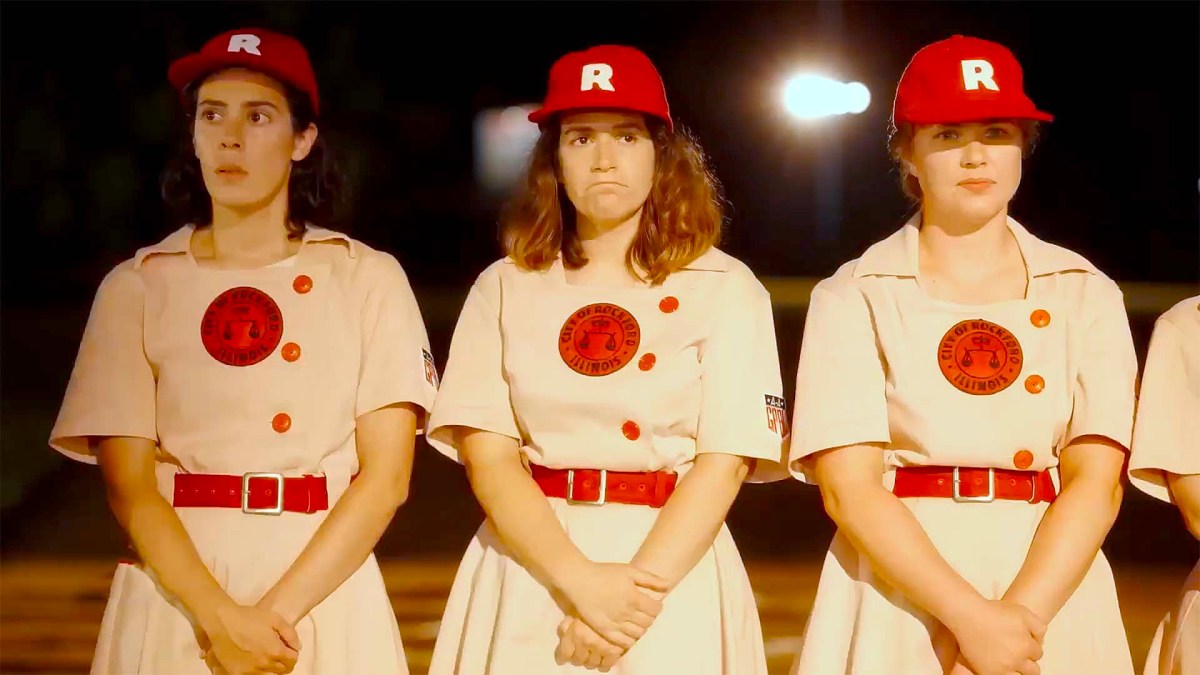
[976,184]
[230,170]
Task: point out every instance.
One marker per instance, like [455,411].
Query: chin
[610,216]
[236,198]
[980,208]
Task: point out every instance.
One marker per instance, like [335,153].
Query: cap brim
[195,66]
[543,115]
[982,116]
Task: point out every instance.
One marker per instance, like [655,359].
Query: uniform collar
[180,240]
[896,256]
[712,260]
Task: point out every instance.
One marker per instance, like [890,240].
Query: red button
[631,430]
[669,304]
[1040,318]
[646,362]
[281,422]
[1034,384]
[1023,459]
[302,284]
[290,352]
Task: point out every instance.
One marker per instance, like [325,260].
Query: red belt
[598,486]
[974,485]
[268,493]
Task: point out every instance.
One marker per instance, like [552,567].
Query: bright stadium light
[810,96]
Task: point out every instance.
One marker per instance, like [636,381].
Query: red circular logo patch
[241,327]
[599,339]
[979,357]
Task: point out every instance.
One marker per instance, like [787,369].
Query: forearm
[384,440]
[883,529]
[1185,490]
[522,518]
[689,522]
[1069,535]
[338,548]
[165,547]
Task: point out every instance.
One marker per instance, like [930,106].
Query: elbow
[398,492]
[1191,518]
[1108,500]
[845,503]
[1113,504]
[741,471]
[121,507]
[125,501]
[387,492]
[1104,496]
[837,502]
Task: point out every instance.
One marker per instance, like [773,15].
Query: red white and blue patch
[777,421]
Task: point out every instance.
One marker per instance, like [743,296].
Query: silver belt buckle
[571,489]
[983,499]
[270,510]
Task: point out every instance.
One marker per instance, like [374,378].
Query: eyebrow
[625,126]
[993,122]
[248,104]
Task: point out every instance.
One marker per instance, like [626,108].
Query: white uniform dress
[624,379]
[236,371]
[1166,437]
[1002,385]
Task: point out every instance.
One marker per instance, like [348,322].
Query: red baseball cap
[963,79]
[280,56]
[611,77]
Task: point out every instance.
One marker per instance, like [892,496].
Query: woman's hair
[681,220]
[316,187]
[900,139]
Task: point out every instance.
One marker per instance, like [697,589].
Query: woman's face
[244,139]
[606,164]
[971,170]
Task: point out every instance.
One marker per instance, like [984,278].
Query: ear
[303,142]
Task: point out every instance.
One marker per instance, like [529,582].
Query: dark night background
[89,120]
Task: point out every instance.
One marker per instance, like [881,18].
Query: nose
[605,157]
[974,155]
[231,138]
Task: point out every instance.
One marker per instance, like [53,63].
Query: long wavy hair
[317,187]
[682,217]
[900,138]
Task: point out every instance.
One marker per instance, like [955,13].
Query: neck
[605,244]
[964,243]
[255,233]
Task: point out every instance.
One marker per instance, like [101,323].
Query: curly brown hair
[900,137]
[681,220]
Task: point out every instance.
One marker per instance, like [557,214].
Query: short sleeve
[474,392]
[112,387]
[397,366]
[742,409]
[1166,431]
[840,382]
[1106,376]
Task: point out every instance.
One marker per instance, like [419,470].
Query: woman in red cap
[611,384]
[233,379]
[965,401]
[1165,464]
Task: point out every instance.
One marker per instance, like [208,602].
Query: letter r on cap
[245,42]
[977,72]
[597,75]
